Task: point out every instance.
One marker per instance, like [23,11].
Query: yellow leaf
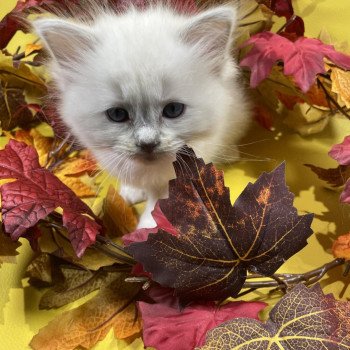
[81,163]
[118,217]
[341,85]
[31,48]
[80,188]
[341,247]
[112,307]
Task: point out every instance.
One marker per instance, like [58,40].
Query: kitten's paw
[132,195]
[146,221]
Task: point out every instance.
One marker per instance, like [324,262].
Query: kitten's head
[136,87]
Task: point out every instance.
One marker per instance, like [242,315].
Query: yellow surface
[20,318]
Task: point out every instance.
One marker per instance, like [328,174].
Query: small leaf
[335,177]
[341,85]
[304,318]
[217,242]
[30,48]
[341,247]
[118,218]
[167,327]
[113,307]
[35,193]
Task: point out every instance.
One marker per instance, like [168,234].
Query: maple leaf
[304,318]
[68,282]
[341,247]
[166,327]
[8,248]
[216,242]
[113,307]
[303,59]
[335,177]
[35,193]
[8,28]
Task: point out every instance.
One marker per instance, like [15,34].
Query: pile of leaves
[172,284]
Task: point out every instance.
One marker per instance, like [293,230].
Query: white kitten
[135,87]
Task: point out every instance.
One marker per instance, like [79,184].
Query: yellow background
[20,318]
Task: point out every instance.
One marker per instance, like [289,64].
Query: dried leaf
[8,249]
[341,247]
[35,193]
[118,218]
[341,85]
[335,177]
[8,28]
[217,242]
[167,327]
[303,59]
[304,318]
[113,307]
[30,48]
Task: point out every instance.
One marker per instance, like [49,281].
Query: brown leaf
[118,217]
[335,177]
[113,307]
[341,247]
[7,249]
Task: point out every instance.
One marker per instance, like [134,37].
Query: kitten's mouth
[149,157]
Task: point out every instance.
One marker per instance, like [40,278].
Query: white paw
[146,220]
[132,195]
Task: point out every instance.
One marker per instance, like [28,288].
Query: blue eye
[118,115]
[173,110]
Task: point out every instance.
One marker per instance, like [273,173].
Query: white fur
[141,60]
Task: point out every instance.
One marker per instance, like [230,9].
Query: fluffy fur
[142,60]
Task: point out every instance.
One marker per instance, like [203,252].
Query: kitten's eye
[118,115]
[173,110]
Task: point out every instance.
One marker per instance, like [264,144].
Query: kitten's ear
[211,30]
[66,41]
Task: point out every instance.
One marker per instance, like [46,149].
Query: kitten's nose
[148,147]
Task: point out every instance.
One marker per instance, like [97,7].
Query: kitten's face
[141,91]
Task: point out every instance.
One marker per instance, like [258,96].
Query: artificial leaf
[8,249]
[118,218]
[341,247]
[113,307]
[303,59]
[341,85]
[335,177]
[35,193]
[166,327]
[304,318]
[68,282]
[341,152]
[216,242]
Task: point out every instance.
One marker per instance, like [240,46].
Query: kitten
[135,87]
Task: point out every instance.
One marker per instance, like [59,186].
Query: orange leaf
[82,163]
[118,217]
[113,307]
[81,189]
[341,247]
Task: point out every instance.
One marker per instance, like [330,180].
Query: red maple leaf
[36,193]
[166,327]
[303,59]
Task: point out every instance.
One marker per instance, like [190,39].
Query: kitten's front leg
[146,219]
[132,195]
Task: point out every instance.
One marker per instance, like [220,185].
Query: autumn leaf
[35,193]
[335,177]
[341,85]
[216,242]
[167,327]
[304,318]
[341,247]
[30,48]
[341,152]
[303,59]
[118,217]
[113,307]
[8,28]
[8,249]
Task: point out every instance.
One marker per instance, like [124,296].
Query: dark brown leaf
[335,177]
